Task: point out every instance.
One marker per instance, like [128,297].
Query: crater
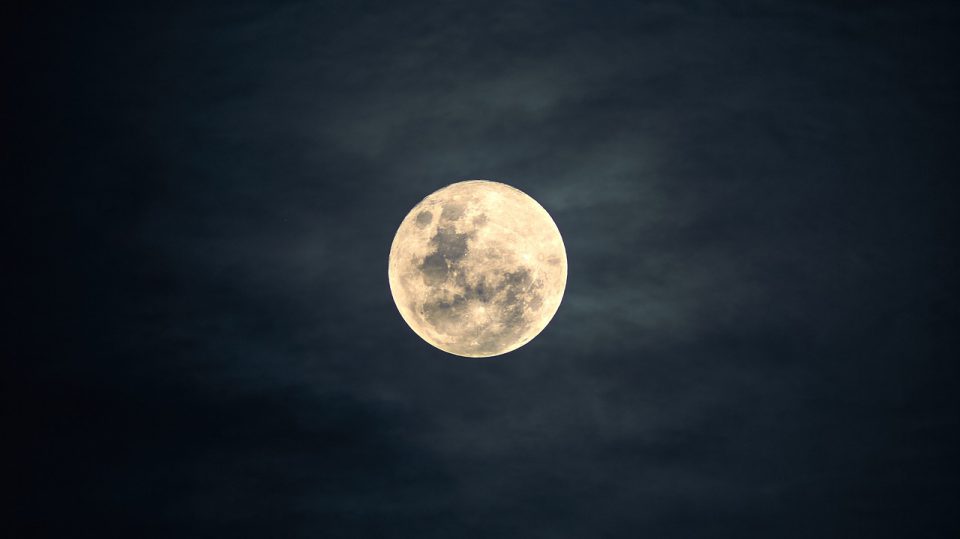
[424,218]
[434,269]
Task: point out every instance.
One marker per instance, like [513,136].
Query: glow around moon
[478,268]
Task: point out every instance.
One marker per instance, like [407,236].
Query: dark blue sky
[758,338]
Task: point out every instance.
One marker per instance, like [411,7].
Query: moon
[478,268]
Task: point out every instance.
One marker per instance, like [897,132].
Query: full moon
[478,268]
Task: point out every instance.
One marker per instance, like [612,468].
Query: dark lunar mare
[451,248]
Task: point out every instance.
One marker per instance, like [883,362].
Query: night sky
[759,336]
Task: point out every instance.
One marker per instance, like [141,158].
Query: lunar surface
[478,268]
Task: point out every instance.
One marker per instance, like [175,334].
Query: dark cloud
[757,200]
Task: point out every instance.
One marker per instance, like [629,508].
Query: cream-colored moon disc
[477,268]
